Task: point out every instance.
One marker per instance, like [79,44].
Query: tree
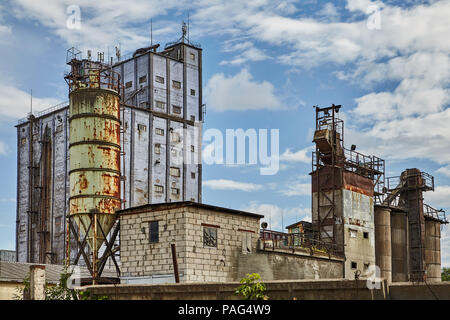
[252,288]
[445,274]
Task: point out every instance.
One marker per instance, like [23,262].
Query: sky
[266,63]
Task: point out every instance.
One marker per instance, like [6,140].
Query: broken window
[192,118]
[159,79]
[129,84]
[210,237]
[154,231]
[192,92]
[159,131]
[157,148]
[192,148]
[193,175]
[366,235]
[159,189]
[175,192]
[141,127]
[176,109]
[176,84]
[160,104]
[176,137]
[354,265]
[353,233]
[143,79]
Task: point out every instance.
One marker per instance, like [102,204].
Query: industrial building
[129,121]
[114,178]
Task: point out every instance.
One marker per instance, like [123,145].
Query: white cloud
[15,103]
[240,93]
[276,216]
[246,52]
[103,23]
[444,170]
[302,155]
[296,189]
[224,184]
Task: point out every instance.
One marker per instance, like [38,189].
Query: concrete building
[208,241]
[161,110]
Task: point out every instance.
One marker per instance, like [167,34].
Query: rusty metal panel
[357,183]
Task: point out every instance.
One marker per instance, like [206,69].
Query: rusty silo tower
[94,151]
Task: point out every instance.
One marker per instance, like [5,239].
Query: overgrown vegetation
[445,274]
[59,292]
[252,288]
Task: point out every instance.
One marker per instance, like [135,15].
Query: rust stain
[358,190]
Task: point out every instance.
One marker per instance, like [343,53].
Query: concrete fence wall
[276,290]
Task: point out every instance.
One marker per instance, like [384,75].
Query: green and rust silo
[94,151]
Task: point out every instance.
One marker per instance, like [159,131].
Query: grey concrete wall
[276,290]
[282,266]
[419,291]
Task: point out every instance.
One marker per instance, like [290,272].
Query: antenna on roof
[31,102]
[151,32]
[188,29]
[183,31]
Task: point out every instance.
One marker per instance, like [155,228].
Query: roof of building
[18,271]
[181,204]
[304,223]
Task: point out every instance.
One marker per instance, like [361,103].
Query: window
[141,127]
[192,92]
[159,189]
[129,84]
[143,79]
[22,227]
[159,79]
[210,237]
[160,104]
[354,265]
[192,149]
[176,109]
[176,84]
[175,172]
[153,231]
[175,137]
[157,148]
[353,233]
[159,131]
[192,56]
[366,235]
[24,140]
[193,175]
[192,118]
[175,192]
[366,266]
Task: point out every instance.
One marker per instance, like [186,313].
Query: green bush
[445,274]
[252,288]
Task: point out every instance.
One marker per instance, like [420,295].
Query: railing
[429,211]
[423,180]
[298,241]
[39,114]
[94,78]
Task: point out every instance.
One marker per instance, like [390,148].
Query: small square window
[154,231]
[366,235]
[22,227]
[159,79]
[210,237]
[193,175]
[353,233]
[159,189]
[143,79]
[129,84]
[176,137]
[354,265]
[175,192]
[160,104]
[192,56]
[159,131]
[141,127]
[192,92]
[157,148]
[192,148]
[176,84]
[175,172]
[176,109]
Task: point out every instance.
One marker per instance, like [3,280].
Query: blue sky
[265,64]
